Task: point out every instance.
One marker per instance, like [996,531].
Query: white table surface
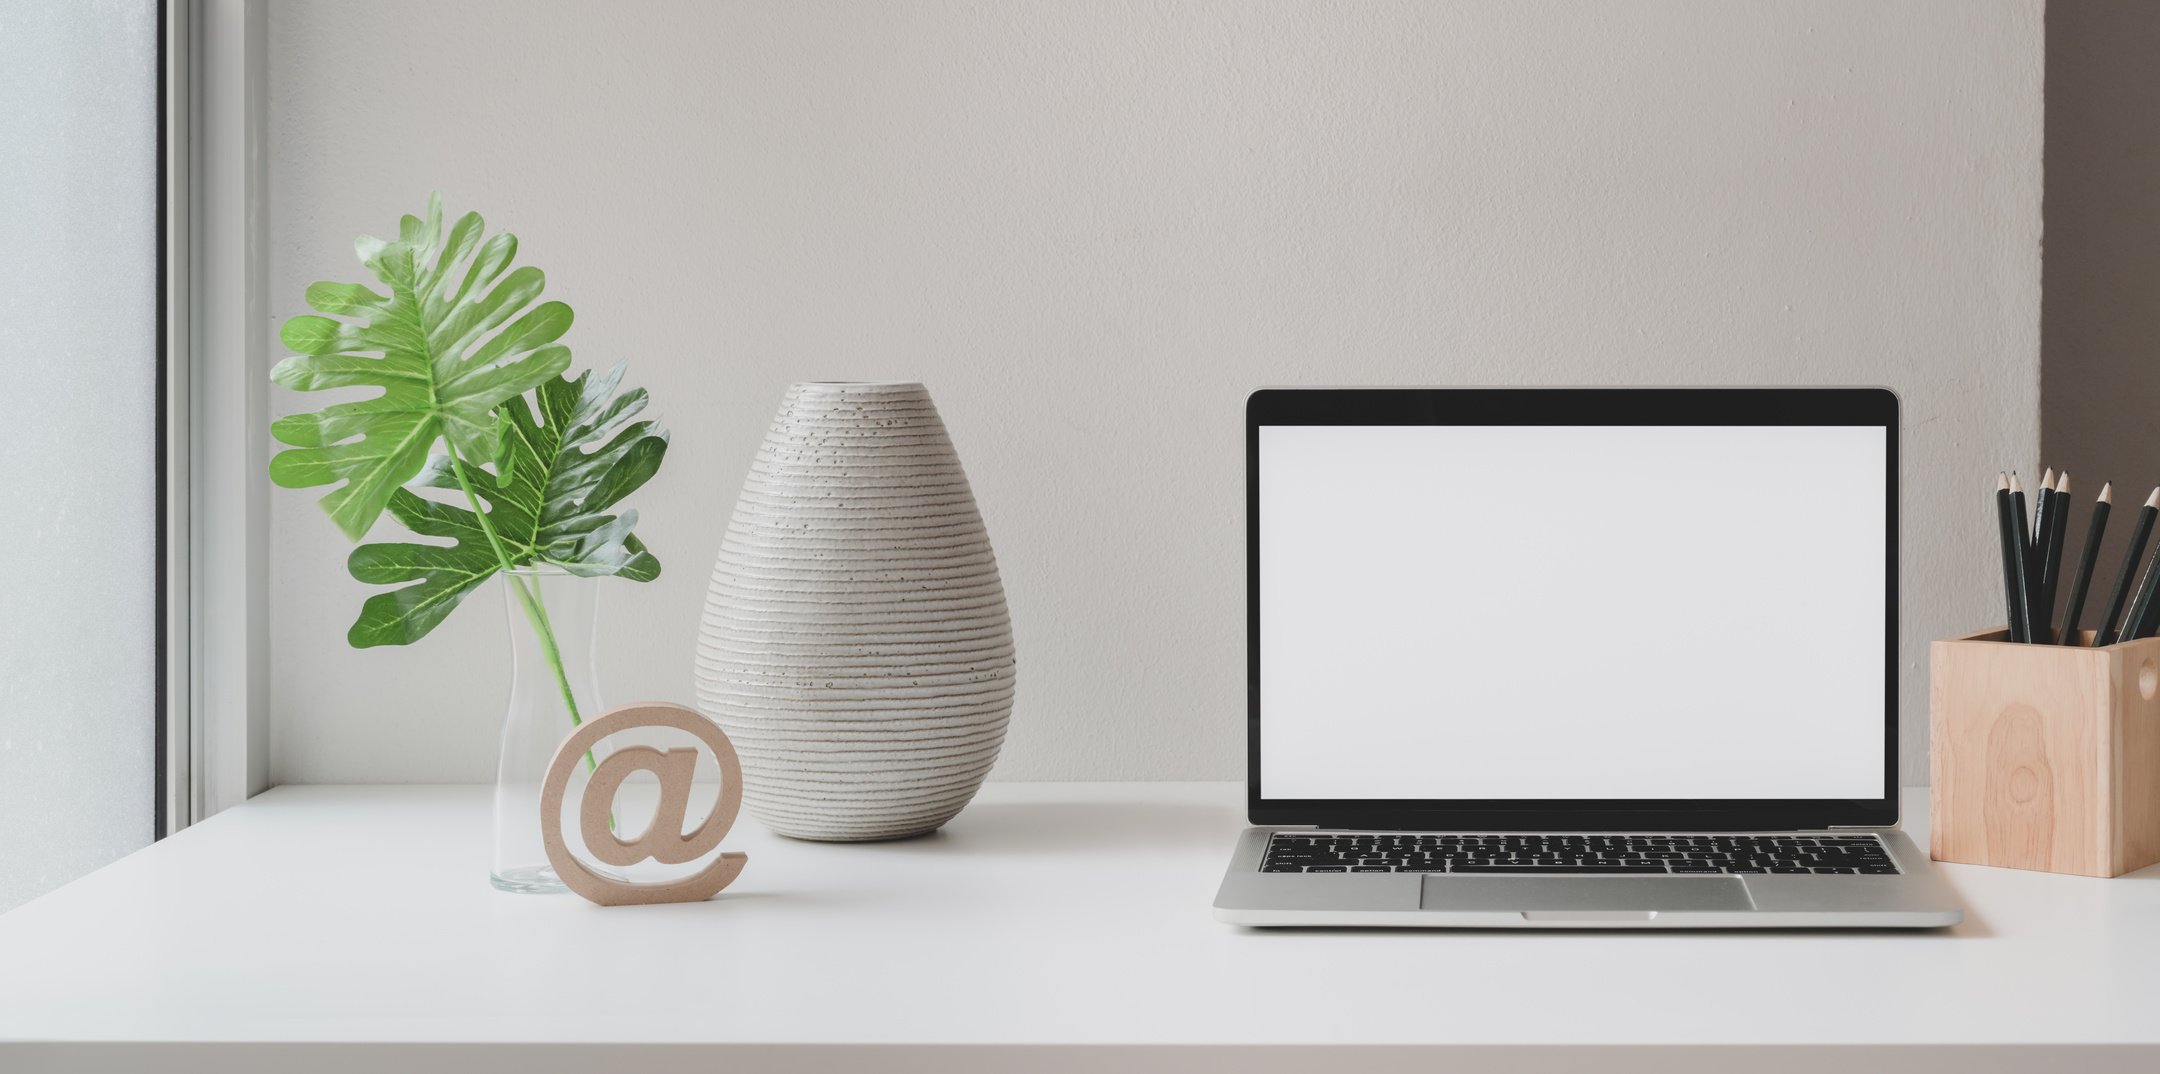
[1047,916]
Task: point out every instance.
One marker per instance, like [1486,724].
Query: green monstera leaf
[557,474]
[457,336]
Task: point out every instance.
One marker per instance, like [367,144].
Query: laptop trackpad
[1592,893]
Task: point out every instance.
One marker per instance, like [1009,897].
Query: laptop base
[1914,897]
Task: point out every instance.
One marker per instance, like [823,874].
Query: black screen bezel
[1572,406]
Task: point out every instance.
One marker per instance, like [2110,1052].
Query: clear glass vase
[552,689]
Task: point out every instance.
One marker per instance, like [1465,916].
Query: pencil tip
[2002,481]
[2107,492]
[2015,487]
[2047,479]
[2062,482]
[2154,499]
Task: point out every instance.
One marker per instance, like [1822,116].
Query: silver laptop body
[1554,658]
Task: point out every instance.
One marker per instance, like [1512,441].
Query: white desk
[1050,927]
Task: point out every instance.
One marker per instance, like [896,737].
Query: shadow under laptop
[1969,929]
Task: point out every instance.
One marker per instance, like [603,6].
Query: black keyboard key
[1372,868]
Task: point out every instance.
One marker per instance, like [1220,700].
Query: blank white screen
[1570,612]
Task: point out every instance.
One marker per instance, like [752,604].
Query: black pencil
[2013,559]
[2149,623]
[2039,503]
[2136,624]
[2048,544]
[2043,500]
[2081,580]
[2027,580]
[2121,593]
[2142,625]
[2017,500]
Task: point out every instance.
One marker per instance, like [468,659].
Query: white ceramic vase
[855,644]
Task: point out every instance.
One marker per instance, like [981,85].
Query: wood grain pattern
[855,642]
[2045,756]
[2135,774]
[2018,803]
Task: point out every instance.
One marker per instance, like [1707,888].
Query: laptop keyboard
[1547,855]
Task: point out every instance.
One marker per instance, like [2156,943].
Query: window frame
[174,766]
[212,723]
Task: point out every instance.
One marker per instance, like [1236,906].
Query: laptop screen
[1571,612]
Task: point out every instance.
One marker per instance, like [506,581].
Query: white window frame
[214,507]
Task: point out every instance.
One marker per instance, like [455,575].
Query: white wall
[1091,228]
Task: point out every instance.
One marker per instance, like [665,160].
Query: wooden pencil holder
[2045,756]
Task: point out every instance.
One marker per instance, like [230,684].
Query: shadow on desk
[1083,827]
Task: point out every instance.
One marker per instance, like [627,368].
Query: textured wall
[1091,228]
[2100,319]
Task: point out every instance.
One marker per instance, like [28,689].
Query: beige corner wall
[2100,311]
[1091,228]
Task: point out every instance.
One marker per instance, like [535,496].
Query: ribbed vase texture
[855,645]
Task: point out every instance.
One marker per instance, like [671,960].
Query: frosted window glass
[78,361]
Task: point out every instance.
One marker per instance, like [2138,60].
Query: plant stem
[535,611]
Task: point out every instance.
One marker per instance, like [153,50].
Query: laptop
[1581,657]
